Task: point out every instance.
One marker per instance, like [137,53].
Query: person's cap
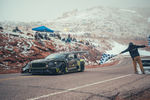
[130,43]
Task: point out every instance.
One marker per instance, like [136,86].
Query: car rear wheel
[82,67]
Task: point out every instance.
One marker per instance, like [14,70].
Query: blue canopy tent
[42,29]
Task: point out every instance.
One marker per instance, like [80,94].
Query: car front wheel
[63,69]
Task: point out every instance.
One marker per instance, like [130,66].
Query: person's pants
[138,60]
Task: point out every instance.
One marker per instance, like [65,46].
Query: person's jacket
[133,50]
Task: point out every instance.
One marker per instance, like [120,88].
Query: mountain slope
[110,22]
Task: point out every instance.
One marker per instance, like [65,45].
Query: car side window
[71,56]
[75,56]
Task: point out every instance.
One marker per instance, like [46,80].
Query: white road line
[95,69]
[101,69]
[83,86]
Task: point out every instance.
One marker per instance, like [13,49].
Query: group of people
[46,36]
[38,35]
[69,39]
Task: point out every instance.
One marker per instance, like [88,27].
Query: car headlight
[55,63]
[46,66]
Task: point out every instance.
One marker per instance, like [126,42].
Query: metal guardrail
[146,66]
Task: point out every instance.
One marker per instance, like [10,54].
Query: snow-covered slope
[101,20]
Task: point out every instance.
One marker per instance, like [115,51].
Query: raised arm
[140,46]
[126,50]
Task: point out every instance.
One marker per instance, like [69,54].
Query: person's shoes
[135,72]
[143,72]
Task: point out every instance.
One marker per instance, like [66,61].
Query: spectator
[63,39]
[58,36]
[81,41]
[16,30]
[74,39]
[68,39]
[87,43]
[45,36]
[69,36]
[52,34]
[133,50]
[149,40]
[40,35]
[36,36]
[1,29]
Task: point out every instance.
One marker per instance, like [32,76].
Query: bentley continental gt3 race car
[59,63]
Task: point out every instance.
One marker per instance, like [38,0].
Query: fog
[36,10]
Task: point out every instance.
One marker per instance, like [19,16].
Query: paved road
[94,84]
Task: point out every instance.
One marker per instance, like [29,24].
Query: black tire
[82,67]
[34,73]
[63,69]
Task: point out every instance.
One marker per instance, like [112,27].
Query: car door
[72,61]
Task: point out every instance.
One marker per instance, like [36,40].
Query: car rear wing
[79,52]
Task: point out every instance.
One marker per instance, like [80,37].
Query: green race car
[59,63]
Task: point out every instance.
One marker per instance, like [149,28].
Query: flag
[105,57]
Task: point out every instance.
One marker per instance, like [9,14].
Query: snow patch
[117,48]
[131,11]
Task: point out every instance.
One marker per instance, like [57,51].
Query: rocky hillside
[16,51]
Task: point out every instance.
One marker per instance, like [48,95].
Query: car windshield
[52,56]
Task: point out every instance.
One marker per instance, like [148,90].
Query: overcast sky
[37,10]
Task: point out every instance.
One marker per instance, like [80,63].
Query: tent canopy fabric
[42,29]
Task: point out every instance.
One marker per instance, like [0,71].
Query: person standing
[133,50]
[149,40]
